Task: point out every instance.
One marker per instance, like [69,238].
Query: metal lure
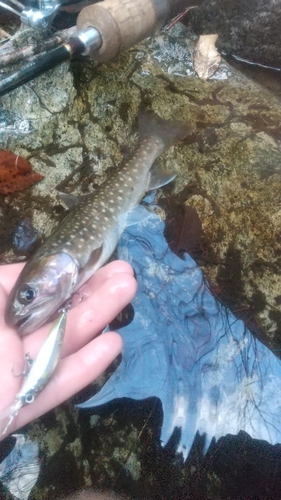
[41,370]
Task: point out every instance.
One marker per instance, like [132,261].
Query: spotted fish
[87,237]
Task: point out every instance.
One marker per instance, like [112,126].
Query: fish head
[43,285]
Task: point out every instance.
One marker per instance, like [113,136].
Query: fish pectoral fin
[159,177]
[71,200]
[95,255]
[139,214]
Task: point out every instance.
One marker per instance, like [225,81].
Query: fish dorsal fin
[71,200]
[139,214]
[159,177]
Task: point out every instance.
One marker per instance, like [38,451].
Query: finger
[11,358]
[106,272]
[73,374]
[98,311]
[9,274]
[90,316]
[100,277]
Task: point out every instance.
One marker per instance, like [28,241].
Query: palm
[84,355]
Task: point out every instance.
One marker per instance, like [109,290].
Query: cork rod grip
[122,23]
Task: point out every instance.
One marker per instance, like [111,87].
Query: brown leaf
[3,34]
[206,58]
[15,173]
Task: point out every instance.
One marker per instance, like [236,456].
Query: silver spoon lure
[41,370]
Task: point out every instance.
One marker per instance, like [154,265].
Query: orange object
[16,173]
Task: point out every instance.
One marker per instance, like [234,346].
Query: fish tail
[169,131]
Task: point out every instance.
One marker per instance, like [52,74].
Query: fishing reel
[37,14]
[103,30]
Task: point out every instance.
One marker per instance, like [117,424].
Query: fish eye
[29,398]
[27,295]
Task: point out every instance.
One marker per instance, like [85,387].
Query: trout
[87,237]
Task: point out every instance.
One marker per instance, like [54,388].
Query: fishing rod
[104,30]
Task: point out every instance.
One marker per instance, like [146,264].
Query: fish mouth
[21,324]
[32,320]
[29,323]
[28,320]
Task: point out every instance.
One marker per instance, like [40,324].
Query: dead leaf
[15,173]
[4,34]
[206,58]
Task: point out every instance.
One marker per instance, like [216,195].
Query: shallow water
[267,77]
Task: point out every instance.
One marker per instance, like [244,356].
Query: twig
[15,54]
[176,19]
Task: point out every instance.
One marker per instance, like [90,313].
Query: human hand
[84,357]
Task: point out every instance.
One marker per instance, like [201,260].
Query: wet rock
[246,28]
[25,238]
